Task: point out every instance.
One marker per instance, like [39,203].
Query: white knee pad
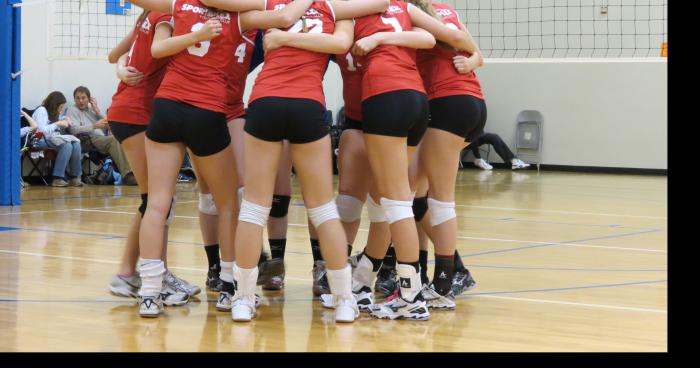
[323,213]
[207,205]
[396,210]
[253,213]
[440,211]
[171,214]
[349,208]
[241,190]
[375,212]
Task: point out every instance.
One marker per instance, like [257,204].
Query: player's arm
[163,6]
[344,9]
[337,43]
[459,39]
[416,39]
[122,48]
[281,18]
[165,45]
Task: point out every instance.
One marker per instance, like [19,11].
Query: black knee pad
[420,207]
[280,205]
[144,202]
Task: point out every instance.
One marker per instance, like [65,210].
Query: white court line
[459,237]
[309,280]
[572,303]
[81,209]
[564,212]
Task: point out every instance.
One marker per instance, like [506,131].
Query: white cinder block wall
[597,112]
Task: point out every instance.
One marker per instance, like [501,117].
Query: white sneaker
[518,164]
[243,308]
[150,306]
[180,285]
[346,309]
[480,162]
[399,308]
[224,302]
[364,298]
[327,301]
[434,300]
[172,297]
[125,286]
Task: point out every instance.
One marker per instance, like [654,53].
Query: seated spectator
[501,149]
[50,122]
[88,124]
[33,126]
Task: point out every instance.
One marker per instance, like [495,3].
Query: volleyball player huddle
[187,94]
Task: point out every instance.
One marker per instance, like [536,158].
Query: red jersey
[437,69]
[238,74]
[351,71]
[198,75]
[133,104]
[296,73]
[388,68]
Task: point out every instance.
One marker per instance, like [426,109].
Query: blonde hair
[426,6]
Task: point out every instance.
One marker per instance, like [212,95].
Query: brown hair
[82,89]
[142,17]
[52,102]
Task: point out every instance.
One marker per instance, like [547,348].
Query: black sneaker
[462,281]
[271,274]
[213,282]
[386,281]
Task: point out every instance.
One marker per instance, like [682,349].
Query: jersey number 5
[200,49]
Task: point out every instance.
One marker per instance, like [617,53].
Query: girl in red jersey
[287,102]
[458,115]
[189,111]
[128,117]
[395,114]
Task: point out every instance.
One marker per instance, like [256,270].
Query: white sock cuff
[151,267]
[396,210]
[323,213]
[440,211]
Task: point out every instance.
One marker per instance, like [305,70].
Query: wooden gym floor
[563,262]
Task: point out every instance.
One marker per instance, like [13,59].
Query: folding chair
[49,154]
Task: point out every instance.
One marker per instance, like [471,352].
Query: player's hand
[463,64]
[273,39]
[364,46]
[211,29]
[129,75]
[100,124]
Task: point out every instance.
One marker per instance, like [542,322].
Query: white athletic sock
[409,281]
[226,273]
[247,279]
[340,281]
[151,271]
[363,275]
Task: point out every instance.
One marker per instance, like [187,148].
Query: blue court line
[569,288]
[567,269]
[8,228]
[132,301]
[559,243]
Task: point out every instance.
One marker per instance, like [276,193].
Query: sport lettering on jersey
[199,75]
